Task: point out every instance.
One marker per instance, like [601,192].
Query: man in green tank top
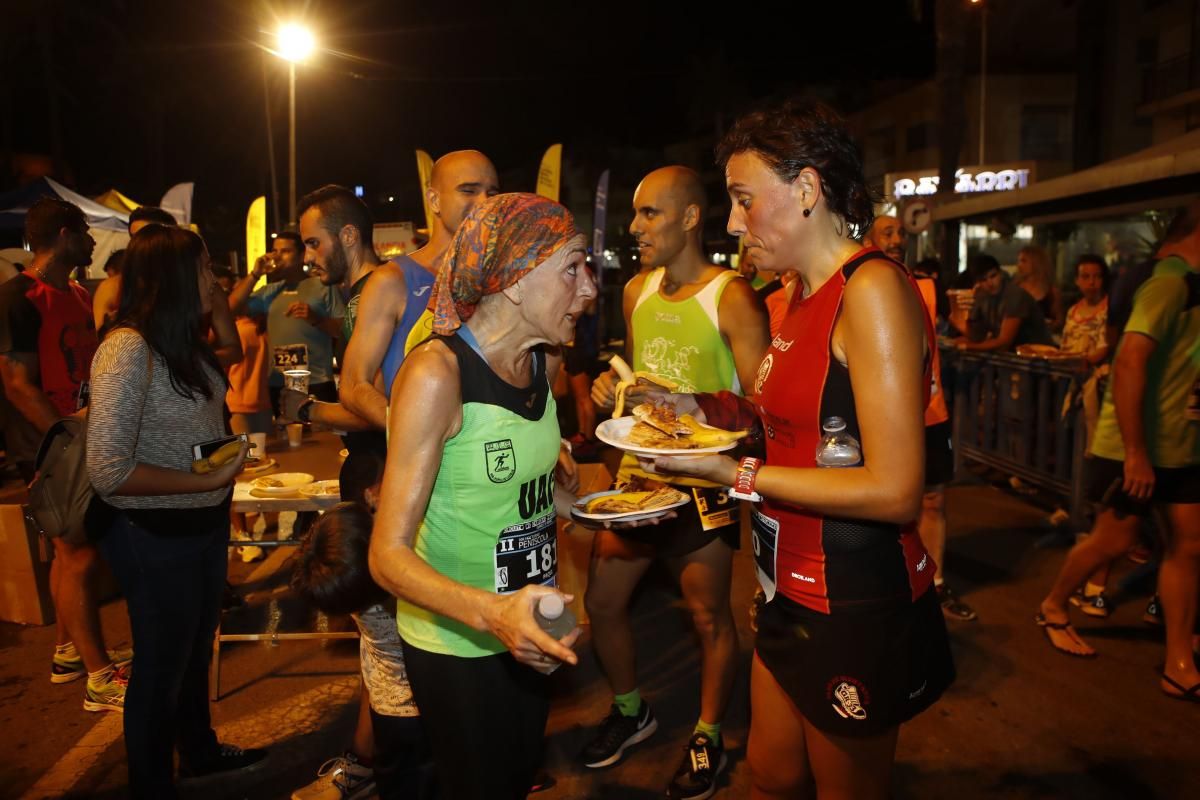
[704,327]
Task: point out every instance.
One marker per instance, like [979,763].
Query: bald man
[888,235]
[393,300]
[704,327]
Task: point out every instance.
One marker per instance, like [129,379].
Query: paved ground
[1022,721]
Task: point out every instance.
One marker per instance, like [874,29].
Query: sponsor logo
[672,319]
[764,372]
[501,578]
[419,292]
[848,697]
[924,562]
[537,496]
[804,578]
[779,344]
[920,690]
[501,460]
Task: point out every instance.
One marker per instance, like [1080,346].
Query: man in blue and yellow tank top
[703,327]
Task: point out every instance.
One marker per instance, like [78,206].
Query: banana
[622,369]
[710,437]
[628,378]
[218,459]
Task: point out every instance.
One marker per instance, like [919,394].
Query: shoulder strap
[651,284]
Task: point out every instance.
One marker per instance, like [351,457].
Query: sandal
[1187,695]
[1048,626]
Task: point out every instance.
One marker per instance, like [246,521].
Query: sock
[710,729]
[101,676]
[66,650]
[629,703]
[1091,589]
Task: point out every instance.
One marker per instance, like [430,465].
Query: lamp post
[982,73]
[295,44]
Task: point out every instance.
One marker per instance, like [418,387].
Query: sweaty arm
[380,306]
[427,406]
[743,321]
[19,371]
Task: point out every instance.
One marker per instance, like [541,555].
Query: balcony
[1166,82]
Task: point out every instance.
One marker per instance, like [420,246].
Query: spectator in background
[112,267]
[1004,315]
[1035,276]
[1084,332]
[108,293]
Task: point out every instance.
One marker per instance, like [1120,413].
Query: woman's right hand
[223,475]
[604,390]
[510,619]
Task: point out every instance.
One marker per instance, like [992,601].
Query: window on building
[1046,133]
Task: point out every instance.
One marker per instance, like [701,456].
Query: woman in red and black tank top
[852,641]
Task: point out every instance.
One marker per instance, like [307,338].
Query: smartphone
[206,449]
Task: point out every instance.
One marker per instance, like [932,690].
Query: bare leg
[778,758]
[61,634]
[704,578]
[1178,580]
[932,526]
[363,745]
[612,576]
[75,602]
[847,768]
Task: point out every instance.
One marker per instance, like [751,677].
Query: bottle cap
[834,424]
[551,606]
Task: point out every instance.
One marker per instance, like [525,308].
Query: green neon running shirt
[490,522]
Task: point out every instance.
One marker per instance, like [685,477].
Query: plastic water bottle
[837,448]
[553,616]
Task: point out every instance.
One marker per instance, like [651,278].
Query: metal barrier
[1008,414]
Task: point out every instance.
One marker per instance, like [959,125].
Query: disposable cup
[295,433]
[296,379]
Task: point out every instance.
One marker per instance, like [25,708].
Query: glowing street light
[295,43]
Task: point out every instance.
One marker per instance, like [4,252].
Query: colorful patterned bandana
[502,239]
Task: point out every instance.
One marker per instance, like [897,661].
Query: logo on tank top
[764,371]
[501,460]
[849,697]
[779,344]
[671,319]
[663,357]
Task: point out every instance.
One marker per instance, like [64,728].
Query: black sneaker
[617,733]
[952,607]
[696,777]
[227,759]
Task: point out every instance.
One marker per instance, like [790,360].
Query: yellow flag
[425,171]
[256,231]
[551,170]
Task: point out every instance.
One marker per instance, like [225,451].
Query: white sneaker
[341,778]
[251,552]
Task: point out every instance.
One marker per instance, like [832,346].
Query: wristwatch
[305,408]
[743,482]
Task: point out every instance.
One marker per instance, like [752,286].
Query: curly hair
[807,133]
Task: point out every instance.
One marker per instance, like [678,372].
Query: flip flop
[1048,626]
[1186,695]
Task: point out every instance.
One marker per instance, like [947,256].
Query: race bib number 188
[527,554]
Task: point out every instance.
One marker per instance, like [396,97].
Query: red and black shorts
[857,672]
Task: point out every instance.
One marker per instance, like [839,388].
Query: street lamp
[295,43]
[982,72]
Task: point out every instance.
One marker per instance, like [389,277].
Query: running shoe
[617,734]
[65,670]
[227,759]
[341,778]
[107,694]
[1097,605]
[696,777]
[952,607]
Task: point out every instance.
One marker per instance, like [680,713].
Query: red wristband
[743,483]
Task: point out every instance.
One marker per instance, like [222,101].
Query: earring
[807,211]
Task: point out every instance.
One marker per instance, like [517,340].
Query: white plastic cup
[295,432]
[258,445]
[296,379]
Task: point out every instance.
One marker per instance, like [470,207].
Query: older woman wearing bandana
[465,532]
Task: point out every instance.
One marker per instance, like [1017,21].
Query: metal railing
[1009,415]
[1168,78]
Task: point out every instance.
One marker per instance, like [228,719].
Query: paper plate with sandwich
[639,499]
[656,430]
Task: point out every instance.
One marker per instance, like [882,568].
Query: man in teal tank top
[704,327]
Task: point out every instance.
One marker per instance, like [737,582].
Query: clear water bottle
[837,448]
[553,616]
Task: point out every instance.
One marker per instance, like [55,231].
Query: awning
[1163,173]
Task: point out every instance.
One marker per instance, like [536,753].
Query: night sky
[152,93]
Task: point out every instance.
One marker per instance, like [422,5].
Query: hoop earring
[807,212]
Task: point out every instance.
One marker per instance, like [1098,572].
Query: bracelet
[743,482]
[304,410]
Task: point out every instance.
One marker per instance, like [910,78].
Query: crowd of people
[445,541]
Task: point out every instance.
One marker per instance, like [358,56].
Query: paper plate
[628,516]
[259,467]
[616,433]
[323,493]
[283,483]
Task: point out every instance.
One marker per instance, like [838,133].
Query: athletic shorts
[686,533]
[1103,478]
[939,454]
[861,672]
[485,719]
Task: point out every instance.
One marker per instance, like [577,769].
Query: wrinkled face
[888,236]
[658,221]
[766,213]
[75,246]
[322,251]
[555,293]
[461,185]
[1090,280]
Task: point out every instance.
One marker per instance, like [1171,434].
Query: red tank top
[824,562]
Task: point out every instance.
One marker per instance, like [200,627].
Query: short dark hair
[807,133]
[115,261]
[982,264]
[928,266]
[152,214]
[1098,260]
[331,569]
[340,207]
[47,217]
[292,237]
